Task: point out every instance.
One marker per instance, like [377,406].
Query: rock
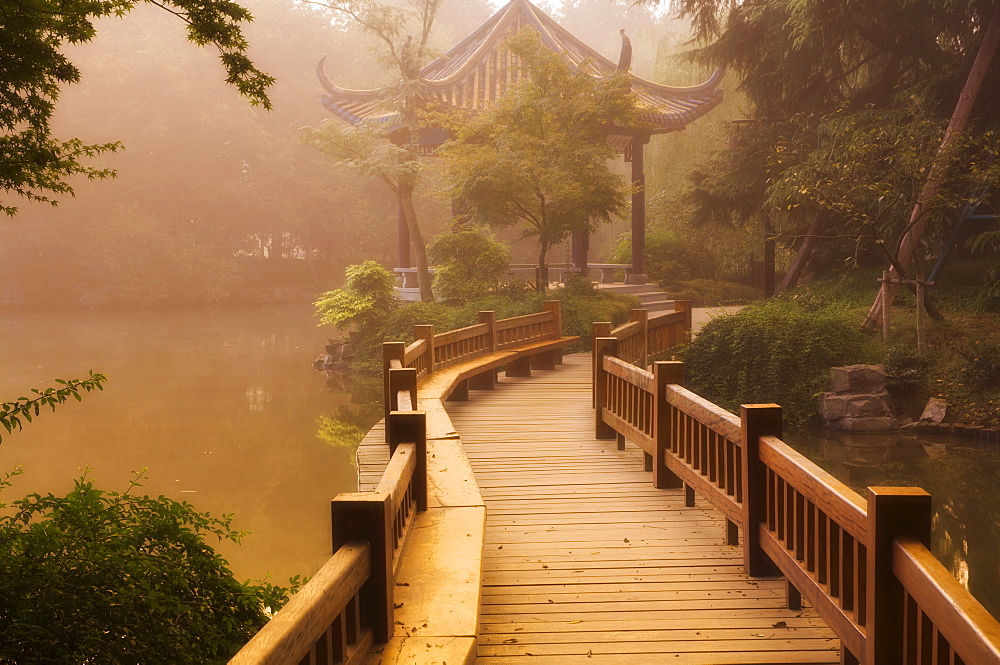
[935,410]
[857,379]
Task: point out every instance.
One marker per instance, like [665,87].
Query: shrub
[775,351]
[366,297]
[108,577]
[711,293]
[469,264]
[982,368]
[905,369]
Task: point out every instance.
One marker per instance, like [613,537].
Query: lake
[221,408]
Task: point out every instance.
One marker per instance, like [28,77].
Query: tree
[538,156]
[111,577]
[404,34]
[36,166]
[797,62]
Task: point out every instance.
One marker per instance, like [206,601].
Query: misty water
[222,409]
[962,476]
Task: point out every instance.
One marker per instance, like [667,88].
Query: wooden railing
[348,605]
[644,338]
[434,351]
[863,563]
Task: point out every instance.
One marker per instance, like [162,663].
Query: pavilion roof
[480,69]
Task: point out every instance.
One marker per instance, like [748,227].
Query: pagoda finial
[625,60]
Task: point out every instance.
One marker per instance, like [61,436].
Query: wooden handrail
[322,617]
[862,563]
[968,629]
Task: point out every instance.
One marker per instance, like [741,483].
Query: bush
[582,305]
[469,264]
[982,369]
[366,297]
[711,293]
[905,369]
[775,351]
[108,577]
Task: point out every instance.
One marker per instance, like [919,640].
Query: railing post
[685,306]
[892,512]
[600,329]
[642,316]
[490,319]
[390,351]
[606,346]
[426,332]
[404,378]
[664,374]
[555,307]
[411,427]
[368,517]
[756,420]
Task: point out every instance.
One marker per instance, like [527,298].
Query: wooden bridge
[586,509]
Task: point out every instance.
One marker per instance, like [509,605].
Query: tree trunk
[959,118]
[416,239]
[543,268]
[803,255]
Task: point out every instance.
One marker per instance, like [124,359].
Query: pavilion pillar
[580,247]
[403,242]
[638,275]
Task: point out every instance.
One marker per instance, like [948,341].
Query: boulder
[935,410]
[857,379]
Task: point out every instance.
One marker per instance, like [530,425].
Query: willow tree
[537,158]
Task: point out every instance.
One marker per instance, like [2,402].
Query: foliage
[711,293]
[33,164]
[982,368]
[111,577]
[583,304]
[469,263]
[27,408]
[366,297]
[538,157]
[865,170]
[905,369]
[777,351]
[672,255]
[896,65]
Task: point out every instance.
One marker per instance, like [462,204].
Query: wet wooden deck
[586,562]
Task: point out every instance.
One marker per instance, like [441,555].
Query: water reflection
[962,476]
[222,409]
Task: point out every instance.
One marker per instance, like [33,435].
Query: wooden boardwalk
[585,561]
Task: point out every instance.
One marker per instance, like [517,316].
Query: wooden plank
[585,561]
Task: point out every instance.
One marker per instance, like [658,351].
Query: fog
[216,201]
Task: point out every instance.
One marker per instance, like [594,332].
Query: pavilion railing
[863,563]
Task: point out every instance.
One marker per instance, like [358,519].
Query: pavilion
[481,69]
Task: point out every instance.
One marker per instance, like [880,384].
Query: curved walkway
[584,561]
